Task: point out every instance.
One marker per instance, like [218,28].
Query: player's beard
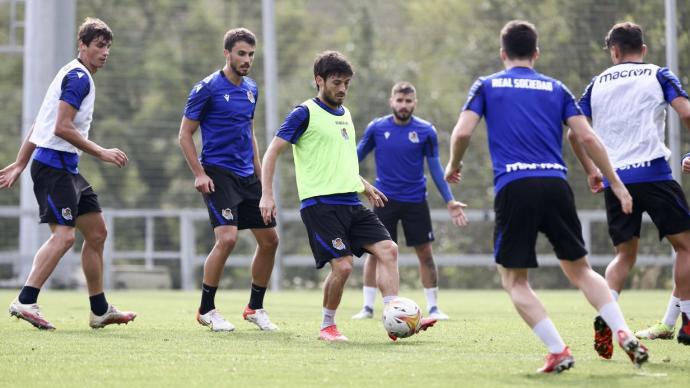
[331,101]
[403,116]
[239,70]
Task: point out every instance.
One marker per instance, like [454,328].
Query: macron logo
[226,97]
[79,74]
[534,166]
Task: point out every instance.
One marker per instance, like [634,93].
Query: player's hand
[375,196]
[595,182]
[686,165]
[457,214]
[621,192]
[114,156]
[204,184]
[9,175]
[453,174]
[267,205]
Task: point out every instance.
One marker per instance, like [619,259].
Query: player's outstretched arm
[202,182]
[594,177]
[65,129]
[11,173]
[455,208]
[267,204]
[596,151]
[375,196]
[459,141]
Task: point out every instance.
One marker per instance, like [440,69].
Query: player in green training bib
[339,226]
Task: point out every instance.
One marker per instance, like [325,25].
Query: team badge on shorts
[227,214]
[386,135]
[413,137]
[343,132]
[67,213]
[250,96]
[338,244]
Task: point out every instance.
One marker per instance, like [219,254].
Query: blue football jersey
[524,112]
[225,113]
[399,153]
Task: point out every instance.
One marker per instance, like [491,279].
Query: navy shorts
[664,201]
[415,217]
[524,208]
[235,200]
[341,230]
[61,195]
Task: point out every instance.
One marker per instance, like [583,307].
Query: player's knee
[97,237]
[65,237]
[226,241]
[269,242]
[342,268]
[388,251]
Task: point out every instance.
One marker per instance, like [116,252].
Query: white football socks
[547,333]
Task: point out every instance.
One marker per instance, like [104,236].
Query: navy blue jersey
[524,112]
[225,113]
[399,153]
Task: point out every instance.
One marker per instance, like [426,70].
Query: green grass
[485,344]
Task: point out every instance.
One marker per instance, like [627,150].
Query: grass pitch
[484,344]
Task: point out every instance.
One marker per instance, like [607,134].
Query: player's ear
[502,53]
[536,55]
[644,50]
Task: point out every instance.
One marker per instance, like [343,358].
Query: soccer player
[525,111]
[66,200]
[627,104]
[228,176]
[402,141]
[322,135]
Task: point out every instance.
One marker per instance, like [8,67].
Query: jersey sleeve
[586,99]
[367,143]
[431,144]
[294,125]
[570,106]
[75,87]
[670,84]
[475,98]
[196,102]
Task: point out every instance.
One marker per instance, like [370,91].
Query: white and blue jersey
[627,104]
[72,84]
[399,152]
[524,112]
[225,112]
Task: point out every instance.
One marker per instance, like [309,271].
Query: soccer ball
[402,317]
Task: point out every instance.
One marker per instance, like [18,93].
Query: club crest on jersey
[338,244]
[227,98]
[227,214]
[250,96]
[67,213]
[343,132]
[413,137]
[386,135]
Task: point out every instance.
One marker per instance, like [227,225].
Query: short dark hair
[403,87]
[519,39]
[93,28]
[330,63]
[238,35]
[627,36]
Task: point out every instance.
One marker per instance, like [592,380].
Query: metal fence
[189,257]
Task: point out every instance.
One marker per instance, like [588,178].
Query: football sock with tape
[256,297]
[99,305]
[28,295]
[208,296]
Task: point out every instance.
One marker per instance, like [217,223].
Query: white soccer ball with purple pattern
[402,317]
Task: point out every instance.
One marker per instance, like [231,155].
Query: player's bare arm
[11,173]
[459,141]
[65,129]
[595,150]
[682,106]
[375,196]
[202,182]
[594,178]
[257,159]
[267,204]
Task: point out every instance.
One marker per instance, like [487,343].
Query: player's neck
[91,69]
[231,76]
[402,123]
[632,58]
[511,63]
